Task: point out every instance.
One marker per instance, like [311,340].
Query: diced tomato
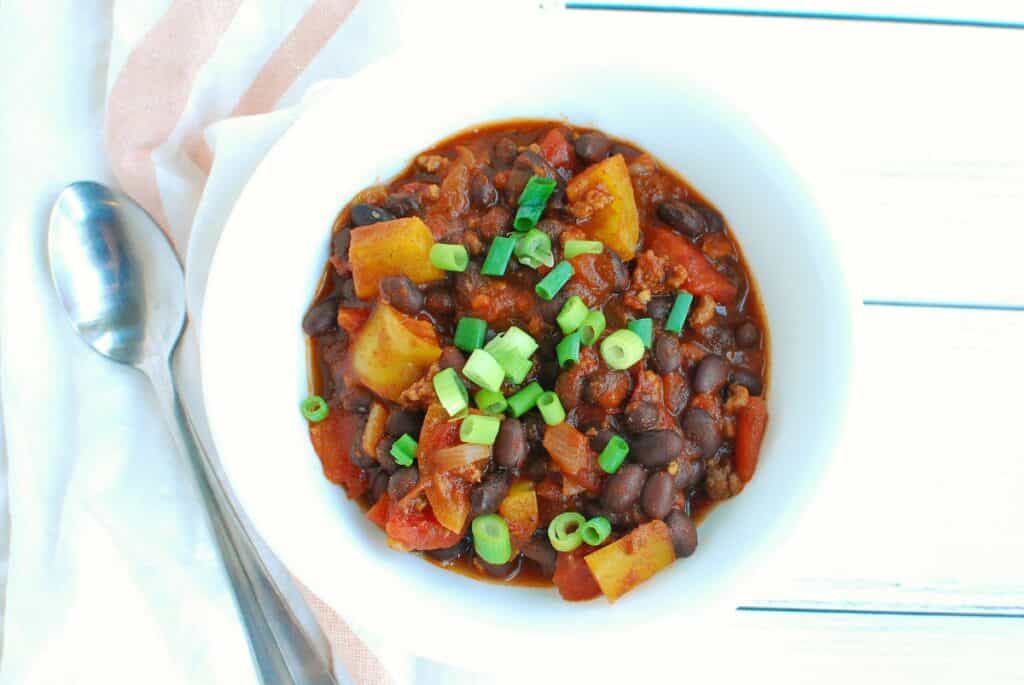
[448,493]
[573,578]
[417,528]
[593,278]
[351,319]
[333,439]
[378,513]
[702,279]
[749,433]
[555,148]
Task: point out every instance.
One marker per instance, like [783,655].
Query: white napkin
[112,576]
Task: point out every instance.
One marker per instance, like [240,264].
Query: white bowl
[364,130]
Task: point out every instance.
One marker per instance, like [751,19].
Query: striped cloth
[178,66]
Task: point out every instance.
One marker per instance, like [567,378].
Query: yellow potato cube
[392,351]
[630,560]
[606,187]
[400,247]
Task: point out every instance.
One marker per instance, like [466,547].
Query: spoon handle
[282,650]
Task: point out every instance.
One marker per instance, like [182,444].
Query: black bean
[712,373]
[540,551]
[548,372]
[384,458]
[510,446]
[642,417]
[553,228]
[712,218]
[607,388]
[601,440]
[505,571]
[535,164]
[404,421]
[364,214]
[340,243]
[700,427]
[659,307]
[593,147]
[684,533]
[403,481]
[517,180]
[549,309]
[505,151]
[616,314]
[690,473]
[452,358]
[378,484]
[321,318]
[401,293]
[667,357]
[439,302]
[619,271]
[748,379]
[624,487]
[357,400]
[535,469]
[402,204]
[487,495]
[347,290]
[482,192]
[450,554]
[656,448]
[747,334]
[656,499]
[534,427]
[683,217]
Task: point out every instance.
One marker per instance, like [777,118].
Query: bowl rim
[330,97]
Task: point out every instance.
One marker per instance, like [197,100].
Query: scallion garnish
[574,311]
[484,370]
[470,333]
[622,349]
[551,408]
[592,327]
[449,257]
[497,256]
[568,350]
[574,248]
[613,454]
[643,328]
[404,450]
[534,249]
[451,393]
[532,201]
[554,281]
[490,402]
[491,539]
[596,530]
[564,531]
[677,315]
[314,408]
[525,400]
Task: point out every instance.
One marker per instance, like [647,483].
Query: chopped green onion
[574,248]
[525,400]
[564,531]
[622,349]
[574,311]
[514,339]
[449,257]
[498,256]
[568,350]
[554,281]
[596,530]
[592,327]
[451,393]
[613,454]
[534,249]
[532,202]
[491,539]
[551,408]
[677,315]
[470,333]
[484,370]
[515,366]
[314,408]
[404,450]
[491,402]
[479,430]
[643,328]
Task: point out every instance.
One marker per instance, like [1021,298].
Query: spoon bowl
[130,314]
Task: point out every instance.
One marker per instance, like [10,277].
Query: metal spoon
[124,290]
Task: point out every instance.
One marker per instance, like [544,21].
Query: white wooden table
[910,564]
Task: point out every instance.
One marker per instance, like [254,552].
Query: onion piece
[458,456]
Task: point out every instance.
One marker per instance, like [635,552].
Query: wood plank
[990,11]
[909,136]
[921,509]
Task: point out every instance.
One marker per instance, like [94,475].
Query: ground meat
[721,481]
[472,243]
[431,163]
[593,201]
[421,393]
[497,221]
[703,311]
[653,275]
[738,398]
